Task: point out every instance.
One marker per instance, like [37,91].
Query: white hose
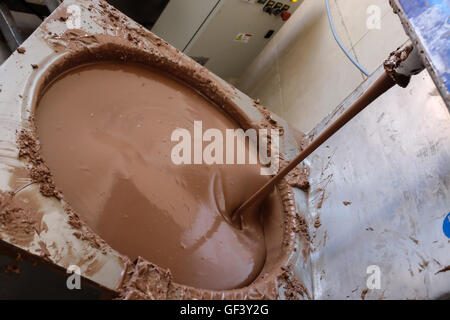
[352,59]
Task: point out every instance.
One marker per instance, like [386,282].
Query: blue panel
[430,20]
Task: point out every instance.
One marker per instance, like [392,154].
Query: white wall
[179,22]
[302,74]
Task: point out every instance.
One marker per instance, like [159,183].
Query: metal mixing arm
[404,63]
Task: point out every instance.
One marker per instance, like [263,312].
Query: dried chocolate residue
[83,232]
[393,62]
[446,269]
[301,227]
[18,219]
[144,280]
[298,177]
[317,222]
[294,289]
[364,293]
[44,251]
[268,122]
[29,149]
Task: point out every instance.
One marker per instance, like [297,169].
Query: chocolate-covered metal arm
[400,66]
[404,63]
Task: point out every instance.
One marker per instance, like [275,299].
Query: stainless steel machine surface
[381,191]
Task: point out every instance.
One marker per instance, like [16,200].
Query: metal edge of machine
[428,49]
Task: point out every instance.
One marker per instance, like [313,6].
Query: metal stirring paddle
[400,66]
[381,85]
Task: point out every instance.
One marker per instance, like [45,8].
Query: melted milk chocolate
[105,131]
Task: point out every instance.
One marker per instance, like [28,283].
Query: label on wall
[243,37]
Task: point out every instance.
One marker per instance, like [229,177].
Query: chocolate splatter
[294,289]
[364,293]
[446,269]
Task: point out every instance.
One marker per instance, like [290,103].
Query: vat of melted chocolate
[105,131]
